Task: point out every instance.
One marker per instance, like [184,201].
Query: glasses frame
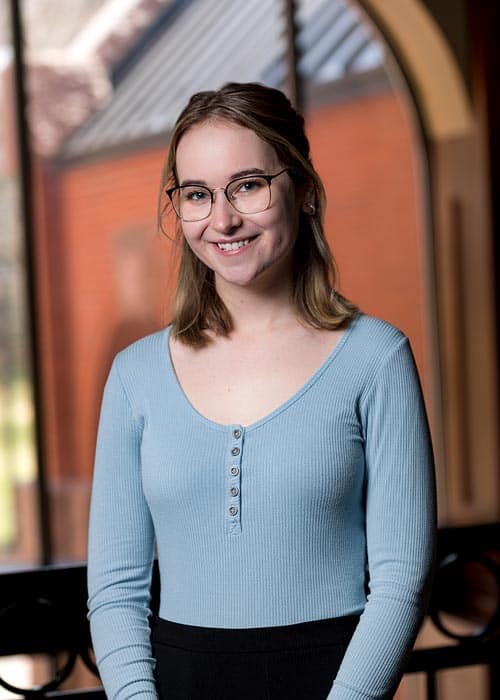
[268,178]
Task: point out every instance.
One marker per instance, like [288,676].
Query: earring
[309,208]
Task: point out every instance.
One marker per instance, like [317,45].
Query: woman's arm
[400,530]
[120,552]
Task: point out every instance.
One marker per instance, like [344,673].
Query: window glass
[106,83]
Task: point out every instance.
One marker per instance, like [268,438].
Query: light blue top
[267,524]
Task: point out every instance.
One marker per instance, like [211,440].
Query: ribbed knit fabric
[268,524]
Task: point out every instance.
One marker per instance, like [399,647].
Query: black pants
[264,663]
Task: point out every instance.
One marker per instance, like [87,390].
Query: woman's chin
[263,276]
[236,280]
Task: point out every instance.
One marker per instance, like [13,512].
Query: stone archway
[460,255]
[433,73]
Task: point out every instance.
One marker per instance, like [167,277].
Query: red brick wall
[103,284]
[113,277]
[367,154]
[111,256]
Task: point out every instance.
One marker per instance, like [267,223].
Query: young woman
[272,442]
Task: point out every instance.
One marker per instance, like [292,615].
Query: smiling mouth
[234,245]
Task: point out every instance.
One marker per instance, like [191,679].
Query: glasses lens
[192,202]
[249,195]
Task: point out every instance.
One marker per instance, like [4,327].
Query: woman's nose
[224,217]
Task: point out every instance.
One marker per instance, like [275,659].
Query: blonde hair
[268,113]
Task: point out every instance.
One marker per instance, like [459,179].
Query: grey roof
[202,44]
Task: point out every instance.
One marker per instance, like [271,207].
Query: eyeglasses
[249,194]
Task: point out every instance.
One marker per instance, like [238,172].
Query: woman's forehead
[222,148]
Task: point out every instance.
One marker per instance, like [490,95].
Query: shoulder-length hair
[268,113]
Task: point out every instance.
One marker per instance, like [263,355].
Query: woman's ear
[308,199]
[309,208]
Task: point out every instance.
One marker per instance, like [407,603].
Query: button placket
[232,500]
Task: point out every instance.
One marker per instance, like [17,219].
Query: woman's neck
[258,309]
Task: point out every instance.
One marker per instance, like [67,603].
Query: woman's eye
[249,186]
[195,196]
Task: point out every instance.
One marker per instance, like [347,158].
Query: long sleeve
[400,530]
[121,542]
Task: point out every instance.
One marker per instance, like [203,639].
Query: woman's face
[212,154]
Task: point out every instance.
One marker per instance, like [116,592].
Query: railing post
[431,685]
[494,677]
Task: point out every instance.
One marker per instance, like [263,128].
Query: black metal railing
[465,606]
[44,612]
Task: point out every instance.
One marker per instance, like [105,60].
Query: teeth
[233,246]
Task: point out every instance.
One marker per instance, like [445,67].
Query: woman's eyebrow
[239,173]
[248,171]
[193,182]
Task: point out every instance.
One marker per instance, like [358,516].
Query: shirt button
[234,471]
[237,433]
[235,451]
[233,510]
[234,491]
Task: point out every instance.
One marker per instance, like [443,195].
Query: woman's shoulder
[376,333]
[370,344]
[379,349]
[143,352]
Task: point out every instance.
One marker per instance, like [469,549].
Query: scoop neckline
[225,427]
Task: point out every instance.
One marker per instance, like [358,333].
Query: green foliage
[17,455]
